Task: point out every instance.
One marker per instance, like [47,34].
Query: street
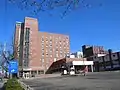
[93,81]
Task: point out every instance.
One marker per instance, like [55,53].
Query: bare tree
[37,6]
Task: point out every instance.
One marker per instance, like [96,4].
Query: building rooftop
[54,33]
[30,18]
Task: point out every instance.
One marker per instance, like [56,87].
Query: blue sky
[98,25]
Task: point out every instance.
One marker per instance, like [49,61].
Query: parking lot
[93,81]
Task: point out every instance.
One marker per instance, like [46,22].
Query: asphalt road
[93,81]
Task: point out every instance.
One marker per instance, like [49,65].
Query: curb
[26,87]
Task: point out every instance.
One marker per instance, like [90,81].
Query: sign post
[13,67]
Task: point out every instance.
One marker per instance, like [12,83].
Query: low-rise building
[76,63]
[89,50]
[110,61]
[77,54]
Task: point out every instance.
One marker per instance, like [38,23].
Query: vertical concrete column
[73,66]
[23,75]
[37,72]
[30,73]
[44,71]
[91,68]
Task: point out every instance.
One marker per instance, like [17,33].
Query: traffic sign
[13,66]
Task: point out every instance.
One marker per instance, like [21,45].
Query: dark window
[101,64]
[108,63]
[41,72]
[27,34]
[115,62]
[26,47]
[113,55]
[95,57]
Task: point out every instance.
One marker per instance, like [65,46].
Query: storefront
[81,65]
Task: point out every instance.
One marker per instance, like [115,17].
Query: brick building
[92,50]
[36,50]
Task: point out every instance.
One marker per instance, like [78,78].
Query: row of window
[51,55]
[55,37]
[108,63]
[50,50]
[50,41]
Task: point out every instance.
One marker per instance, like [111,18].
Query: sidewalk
[2,83]
[46,76]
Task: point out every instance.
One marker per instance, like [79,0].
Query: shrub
[12,84]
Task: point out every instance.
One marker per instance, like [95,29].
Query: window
[67,42]
[66,37]
[50,45]
[42,54]
[46,40]
[56,46]
[113,55]
[60,54]
[42,49]
[41,72]
[56,39]
[95,57]
[46,54]
[101,64]
[50,55]
[60,51]
[42,39]
[68,52]
[50,50]
[50,41]
[59,37]
[108,63]
[42,60]
[56,55]
[115,62]
[33,72]
[27,34]
[56,49]
[99,58]
[46,45]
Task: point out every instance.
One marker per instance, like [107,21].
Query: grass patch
[13,84]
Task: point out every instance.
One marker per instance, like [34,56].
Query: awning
[82,62]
